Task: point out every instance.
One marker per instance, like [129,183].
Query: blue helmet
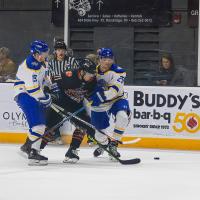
[106,53]
[39,46]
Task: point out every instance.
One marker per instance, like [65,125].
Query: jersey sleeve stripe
[32,87]
[17,83]
[34,90]
[114,87]
[121,129]
[118,131]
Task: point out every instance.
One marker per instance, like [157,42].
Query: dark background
[137,48]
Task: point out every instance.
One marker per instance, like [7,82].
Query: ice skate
[71,156]
[35,159]
[26,148]
[112,146]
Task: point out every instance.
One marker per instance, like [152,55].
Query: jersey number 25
[121,79]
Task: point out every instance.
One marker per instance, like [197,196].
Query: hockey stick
[60,109]
[65,118]
[124,162]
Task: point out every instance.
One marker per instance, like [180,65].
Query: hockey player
[30,97]
[74,85]
[109,99]
[59,62]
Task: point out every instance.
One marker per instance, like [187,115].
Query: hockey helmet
[39,46]
[106,53]
[60,44]
[87,66]
[99,51]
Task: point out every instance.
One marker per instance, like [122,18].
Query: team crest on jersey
[34,64]
[68,73]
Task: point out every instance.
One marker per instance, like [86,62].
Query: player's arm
[116,86]
[115,89]
[27,82]
[19,85]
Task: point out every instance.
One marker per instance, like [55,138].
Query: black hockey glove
[55,91]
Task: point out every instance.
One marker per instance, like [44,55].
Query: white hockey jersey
[113,83]
[31,78]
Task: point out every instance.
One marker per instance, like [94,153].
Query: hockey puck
[156,158]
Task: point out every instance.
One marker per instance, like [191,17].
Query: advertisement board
[12,119]
[84,13]
[165,112]
[170,112]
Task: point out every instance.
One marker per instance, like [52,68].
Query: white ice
[176,176]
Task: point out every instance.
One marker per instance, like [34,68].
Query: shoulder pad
[117,69]
[32,63]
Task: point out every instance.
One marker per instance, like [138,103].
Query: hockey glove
[55,88]
[55,91]
[97,98]
[46,101]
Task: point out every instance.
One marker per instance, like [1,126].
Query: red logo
[68,73]
[192,122]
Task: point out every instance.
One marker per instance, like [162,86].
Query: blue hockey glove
[97,98]
[46,101]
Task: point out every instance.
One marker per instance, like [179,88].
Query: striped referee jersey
[56,68]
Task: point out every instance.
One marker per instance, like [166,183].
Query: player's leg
[35,115]
[121,111]
[26,147]
[71,155]
[52,118]
[35,134]
[78,136]
[101,121]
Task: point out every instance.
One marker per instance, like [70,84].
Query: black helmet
[87,66]
[60,44]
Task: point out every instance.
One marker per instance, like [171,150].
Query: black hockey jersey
[75,88]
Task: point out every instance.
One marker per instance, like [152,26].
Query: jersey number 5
[34,77]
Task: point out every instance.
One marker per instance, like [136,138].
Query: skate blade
[70,160]
[33,162]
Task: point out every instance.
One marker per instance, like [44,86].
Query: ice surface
[176,176]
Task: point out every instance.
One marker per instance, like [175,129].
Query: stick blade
[131,141]
[130,162]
